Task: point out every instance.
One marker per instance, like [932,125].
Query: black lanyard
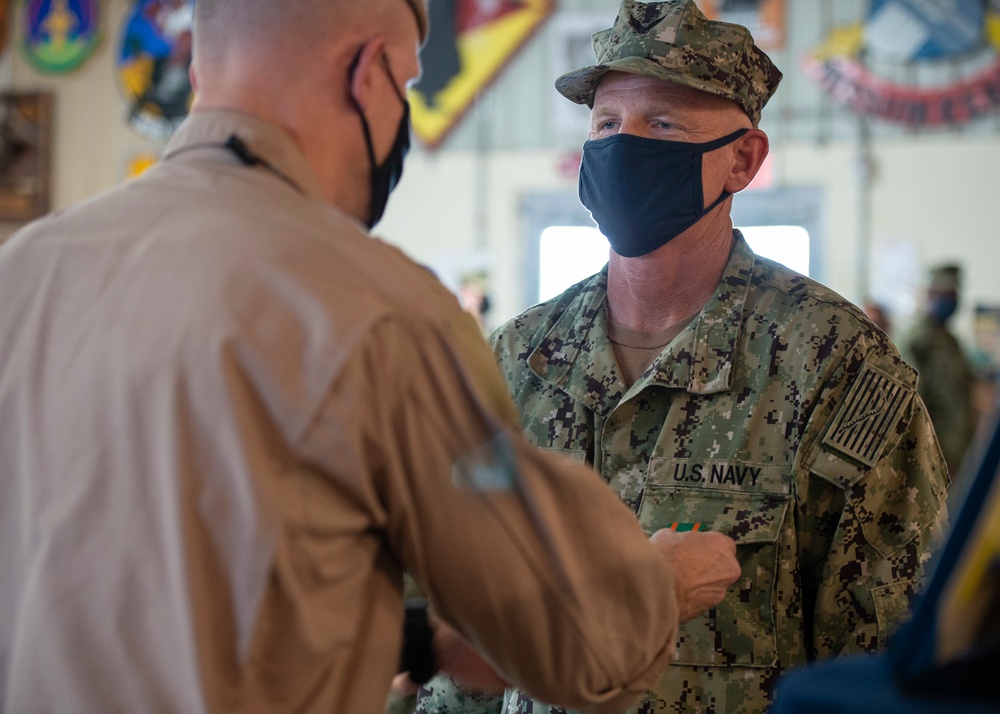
[246,156]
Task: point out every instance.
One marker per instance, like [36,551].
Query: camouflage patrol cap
[945,278]
[675,42]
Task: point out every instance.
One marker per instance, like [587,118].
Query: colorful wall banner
[470,43]
[153,61]
[912,31]
[764,18]
[59,35]
[847,81]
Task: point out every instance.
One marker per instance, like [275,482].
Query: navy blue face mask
[643,192]
[942,307]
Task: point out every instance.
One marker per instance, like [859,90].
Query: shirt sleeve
[509,543]
[873,505]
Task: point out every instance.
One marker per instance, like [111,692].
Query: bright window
[568,254]
[789,245]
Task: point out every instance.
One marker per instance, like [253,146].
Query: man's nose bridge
[634,125]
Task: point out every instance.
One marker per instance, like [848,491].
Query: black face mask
[385,176]
[643,192]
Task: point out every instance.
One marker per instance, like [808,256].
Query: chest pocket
[740,630]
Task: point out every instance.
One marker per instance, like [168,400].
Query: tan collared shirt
[230,419]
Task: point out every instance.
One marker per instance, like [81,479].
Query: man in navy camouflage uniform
[717,390]
[947,380]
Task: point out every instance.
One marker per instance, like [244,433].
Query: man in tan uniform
[231,419]
[716,390]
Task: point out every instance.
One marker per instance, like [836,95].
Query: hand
[457,659]
[704,566]
[403,686]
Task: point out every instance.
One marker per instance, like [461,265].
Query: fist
[704,566]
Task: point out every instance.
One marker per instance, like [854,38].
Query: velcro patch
[870,410]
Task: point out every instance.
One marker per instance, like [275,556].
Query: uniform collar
[272,146]
[576,355]
[701,359]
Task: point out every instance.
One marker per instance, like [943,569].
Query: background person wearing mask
[717,390]
[947,382]
[232,418]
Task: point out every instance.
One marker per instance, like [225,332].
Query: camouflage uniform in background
[946,385]
[780,416]
[947,381]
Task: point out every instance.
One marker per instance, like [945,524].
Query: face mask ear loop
[711,146]
[361,113]
[722,197]
[392,78]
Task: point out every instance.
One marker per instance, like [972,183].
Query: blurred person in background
[879,314]
[947,381]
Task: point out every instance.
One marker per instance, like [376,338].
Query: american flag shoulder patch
[870,410]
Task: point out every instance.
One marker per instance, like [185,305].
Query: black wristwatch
[417,656]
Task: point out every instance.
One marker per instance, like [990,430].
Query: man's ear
[363,70]
[749,154]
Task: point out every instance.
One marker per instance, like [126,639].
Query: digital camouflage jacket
[781,417]
[947,386]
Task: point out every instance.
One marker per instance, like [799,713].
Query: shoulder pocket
[904,493]
[740,630]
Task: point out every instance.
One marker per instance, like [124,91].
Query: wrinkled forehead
[617,87]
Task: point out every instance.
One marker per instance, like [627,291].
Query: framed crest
[25,155]
[59,35]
